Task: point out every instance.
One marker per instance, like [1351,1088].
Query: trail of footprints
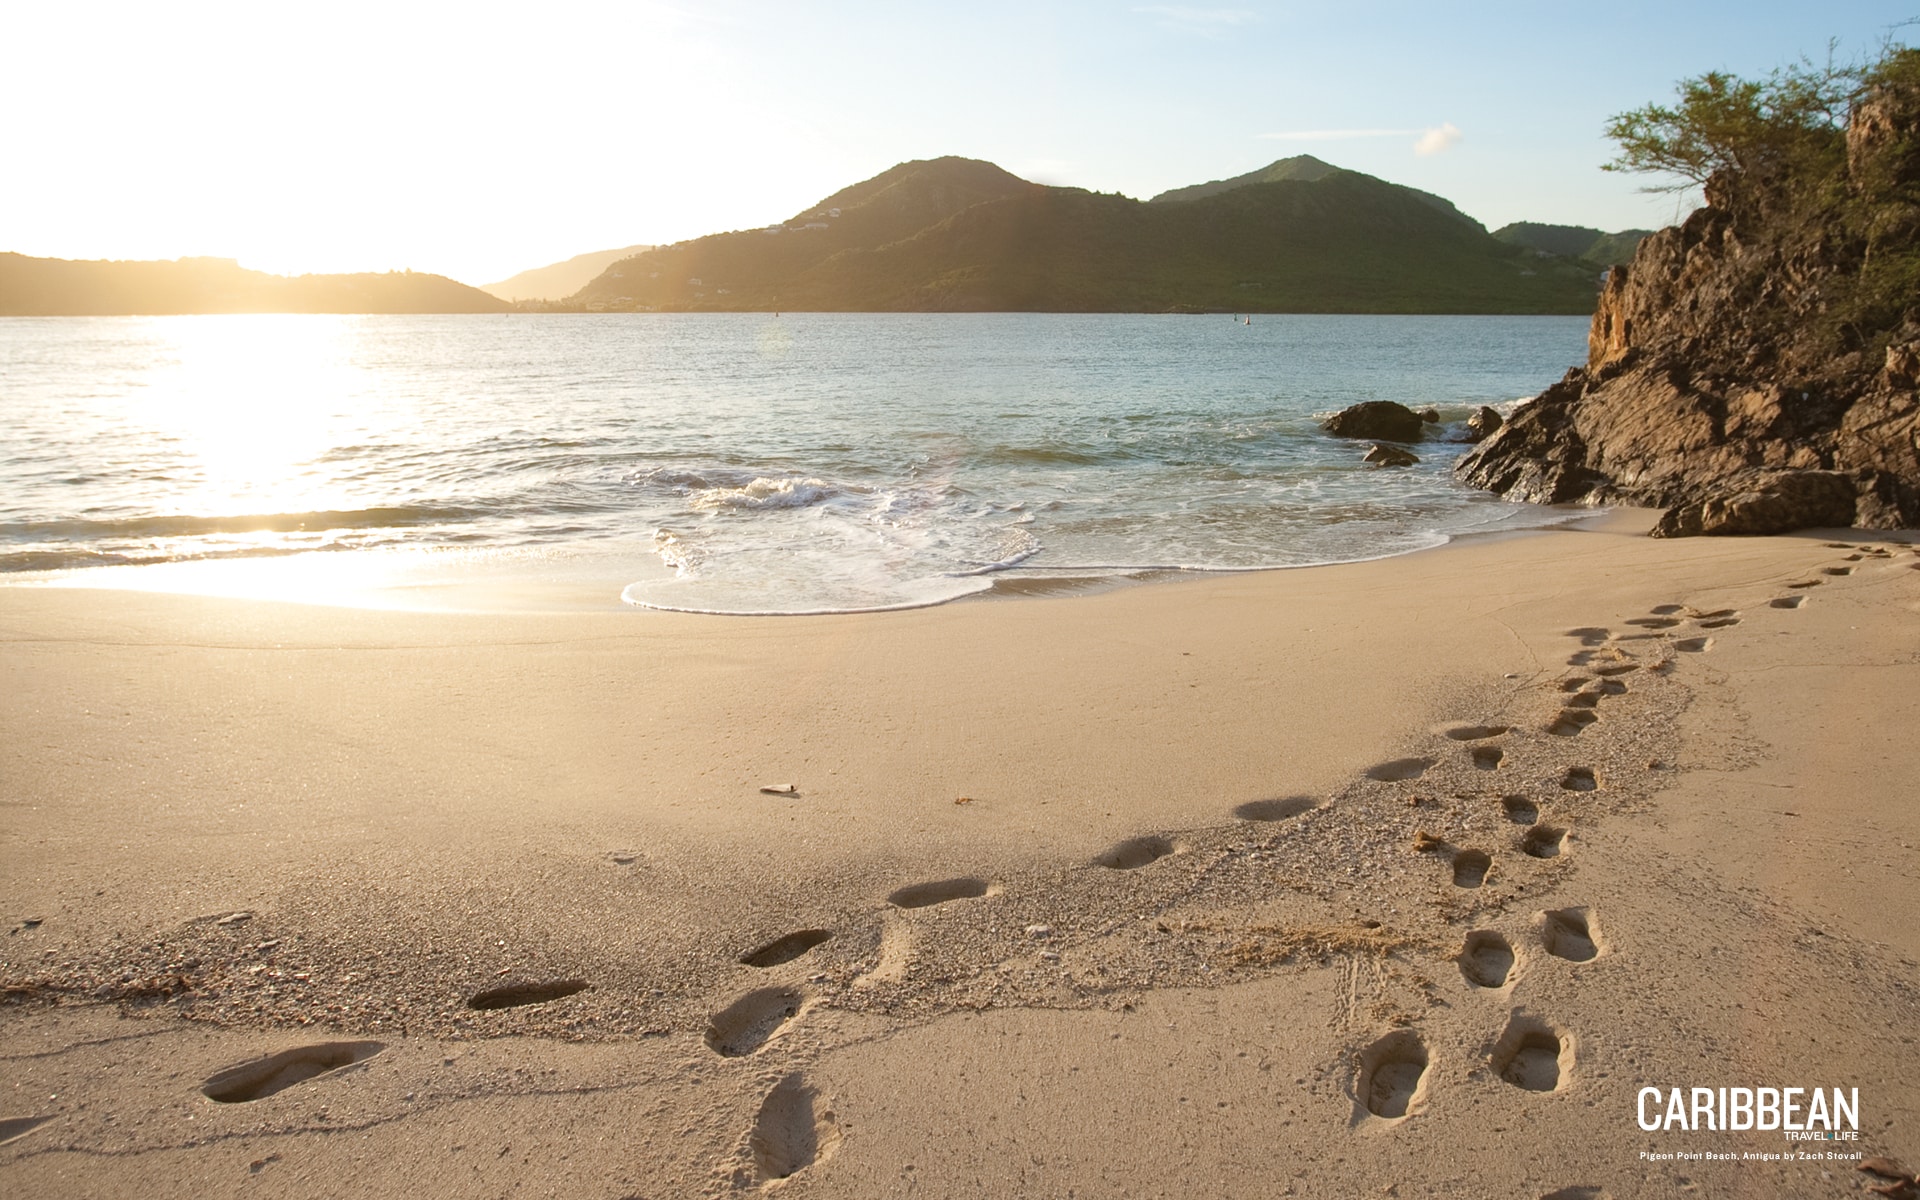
[794,1127]
[1532,1053]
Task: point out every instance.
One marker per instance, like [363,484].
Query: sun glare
[251,401]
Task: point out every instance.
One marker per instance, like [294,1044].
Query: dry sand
[1391,878]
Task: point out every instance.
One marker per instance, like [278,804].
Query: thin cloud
[1210,22]
[1438,141]
[1337,135]
[1433,140]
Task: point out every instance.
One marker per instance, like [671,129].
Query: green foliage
[1777,150]
[1791,123]
[1568,241]
[1574,241]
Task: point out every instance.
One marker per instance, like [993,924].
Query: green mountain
[954,234]
[1304,168]
[1574,241]
[559,279]
[49,287]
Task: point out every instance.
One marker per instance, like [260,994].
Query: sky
[478,139]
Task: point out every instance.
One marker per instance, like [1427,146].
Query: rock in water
[1430,415]
[1389,456]
[1483,424]
[1741,371]
[1376,419]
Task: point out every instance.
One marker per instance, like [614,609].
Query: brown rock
[1903,366]
[1390,456]
[1483,424]
[1765,502]
[1376,419]
[1430,415]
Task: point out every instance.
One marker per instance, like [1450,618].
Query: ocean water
[745,463]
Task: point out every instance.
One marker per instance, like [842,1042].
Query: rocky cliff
[1752,370]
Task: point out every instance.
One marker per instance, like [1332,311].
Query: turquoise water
[747,463]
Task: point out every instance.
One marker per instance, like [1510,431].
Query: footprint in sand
[1616,669]
[1580,779]
[1568,933]
[1664,610]
[1471,867]
[1608,687]
[1133,853]
[278,1072]
[1487,758]
[1590,698]
[1786,602]
[1275,810]
[1520,810]
[1571,721]
[1487,959]
[1544,841]
[1811,583]
[1655,622]
[513,995]
[12,1128]
[794,1130]
[1836,570]
[1533,1055]
[1719,623]
[1399,770]
[751,1021]
[1393,1074]
[1695,645]
[925,895]
[1574,683]
[1476,733]
[786,948]
[1576,1193]
[1590,635]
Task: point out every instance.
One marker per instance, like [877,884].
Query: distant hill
[955,234]
[559,279]
[1303,167]
[66,287]
[1575,241]
[1612,249]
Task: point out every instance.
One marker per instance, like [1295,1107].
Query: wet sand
[1400,875]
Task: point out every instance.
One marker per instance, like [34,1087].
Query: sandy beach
[1390,878]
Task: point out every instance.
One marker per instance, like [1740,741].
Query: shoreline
[496,585]
[1171,835]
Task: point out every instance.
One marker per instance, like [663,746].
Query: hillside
[560,279]
[955,234]
[1302,167]
[65,287]
[1575,241]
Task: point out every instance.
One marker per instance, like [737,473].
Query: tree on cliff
[1756,368]
[1792,122]
[1782,143]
